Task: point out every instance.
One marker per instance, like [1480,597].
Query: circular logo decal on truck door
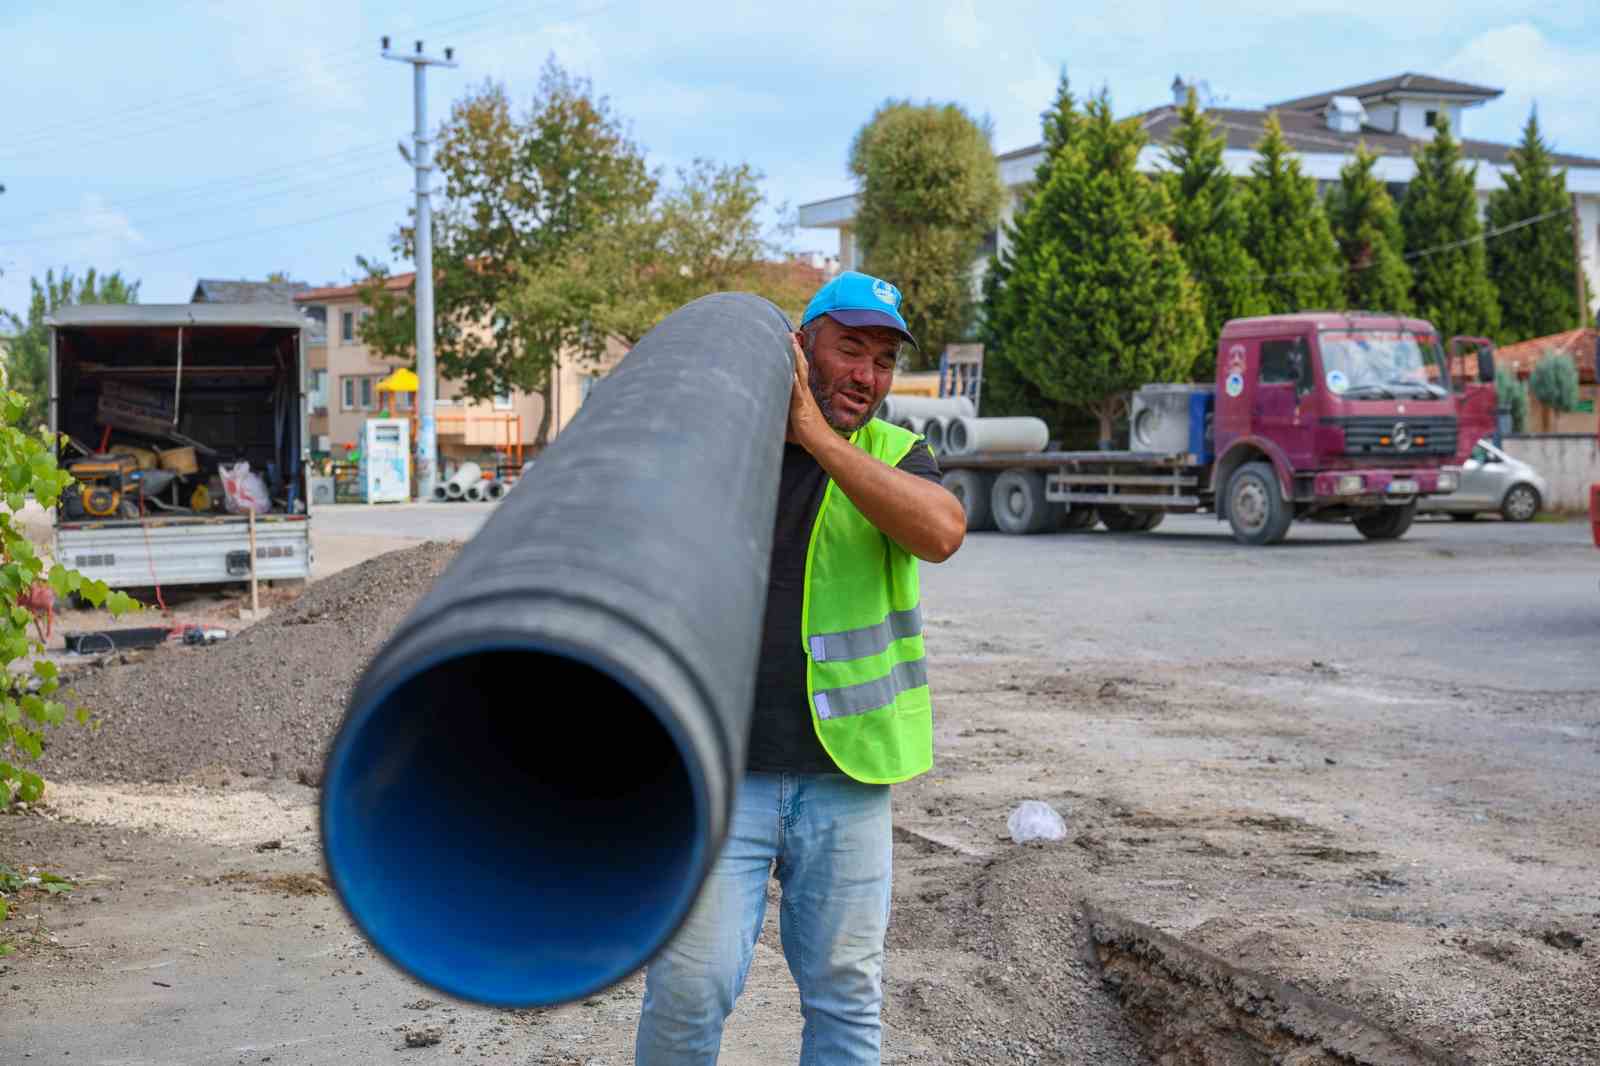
[1235,384]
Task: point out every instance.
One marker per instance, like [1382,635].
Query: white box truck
[155,400]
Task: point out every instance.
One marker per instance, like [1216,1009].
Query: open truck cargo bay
[224,381]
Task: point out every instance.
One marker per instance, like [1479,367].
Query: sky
[226,139]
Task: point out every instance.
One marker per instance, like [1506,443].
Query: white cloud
[1531,68]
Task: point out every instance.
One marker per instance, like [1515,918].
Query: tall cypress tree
[1095,299]
[1450,283]
[1533,267]
[1208,221]
[1287,231]
[1367,228]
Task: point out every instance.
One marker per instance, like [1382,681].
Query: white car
[1491,480]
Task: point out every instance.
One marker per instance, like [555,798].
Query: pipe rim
[712,811]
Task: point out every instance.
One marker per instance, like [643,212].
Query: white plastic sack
[242,490]
[1035,820]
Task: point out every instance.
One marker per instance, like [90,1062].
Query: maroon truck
[1326,416]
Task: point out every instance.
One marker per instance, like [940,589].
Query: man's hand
[806,424]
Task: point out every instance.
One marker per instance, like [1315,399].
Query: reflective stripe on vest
[860,643]
[871,695]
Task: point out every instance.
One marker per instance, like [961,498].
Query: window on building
[348,387]
[502,401]
[347,326]
[1431,118]
[404,401]
[319,390]
[366,394]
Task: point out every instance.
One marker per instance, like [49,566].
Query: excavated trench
[1194,1009]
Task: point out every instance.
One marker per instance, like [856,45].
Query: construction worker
[842,709]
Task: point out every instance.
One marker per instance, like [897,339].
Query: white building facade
[1393,116]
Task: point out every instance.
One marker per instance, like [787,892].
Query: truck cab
[1353,413]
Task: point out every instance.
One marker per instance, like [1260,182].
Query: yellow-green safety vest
[866,674]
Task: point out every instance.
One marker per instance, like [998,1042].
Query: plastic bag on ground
[1035,820]
[242,490]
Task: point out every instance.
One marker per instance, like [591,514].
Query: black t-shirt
[782,739]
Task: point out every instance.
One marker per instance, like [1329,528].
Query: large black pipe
[536,772]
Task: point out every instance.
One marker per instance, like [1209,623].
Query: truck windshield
[1357,362]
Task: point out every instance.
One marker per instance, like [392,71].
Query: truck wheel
[1078,518]
[1521,503]
[1387,523]
[1018,502]
[1152,519]
[1256,508]
[974,489]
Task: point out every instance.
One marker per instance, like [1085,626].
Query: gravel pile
[278,687]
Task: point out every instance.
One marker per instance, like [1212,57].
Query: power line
[1486,235]
[344,58]
[320,182]
[265,229]
[117,131]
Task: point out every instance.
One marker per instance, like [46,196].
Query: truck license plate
[1402,486]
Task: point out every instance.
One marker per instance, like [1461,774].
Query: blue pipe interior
[512,827]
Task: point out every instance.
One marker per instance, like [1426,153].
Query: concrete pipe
[913,423]
[465,475]
[495,489]
[896,407]
[536,772]
[476,491]
[440,492]
[933,431]
[973,436]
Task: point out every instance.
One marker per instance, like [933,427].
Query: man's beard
[824,400]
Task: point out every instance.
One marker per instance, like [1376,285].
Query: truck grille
[1364,434]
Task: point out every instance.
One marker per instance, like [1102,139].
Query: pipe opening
[513,827]
[955,436]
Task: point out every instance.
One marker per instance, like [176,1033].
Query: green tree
[1367,228]
[28,360]
[1286,231]
[1554,383]
[519,190]
[1532,268]
[1093,298]
[703,235]
[1450,279]
[1208,221]
[1511,395]
[930,193]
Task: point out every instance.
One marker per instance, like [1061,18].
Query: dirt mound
[278,687]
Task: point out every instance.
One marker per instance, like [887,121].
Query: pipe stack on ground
[897,407]
[536,772]
[975,436]
[465,475]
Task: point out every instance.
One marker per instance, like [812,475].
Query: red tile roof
[1578,343]
[396,282]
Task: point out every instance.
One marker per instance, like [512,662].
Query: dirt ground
[1417,858]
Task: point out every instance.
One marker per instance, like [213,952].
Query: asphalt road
[1486,602]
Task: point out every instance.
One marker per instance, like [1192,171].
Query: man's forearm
[921,517]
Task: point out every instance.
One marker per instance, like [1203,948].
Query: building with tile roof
[1394,116]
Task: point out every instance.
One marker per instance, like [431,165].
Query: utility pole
[1577,263]
[427,458]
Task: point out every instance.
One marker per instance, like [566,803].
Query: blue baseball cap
[857,299]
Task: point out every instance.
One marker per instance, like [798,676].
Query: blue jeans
[828,838]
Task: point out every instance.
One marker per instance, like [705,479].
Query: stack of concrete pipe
[902,410]
[465,476]
[976,436]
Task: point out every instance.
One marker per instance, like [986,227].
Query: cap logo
[885,292]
